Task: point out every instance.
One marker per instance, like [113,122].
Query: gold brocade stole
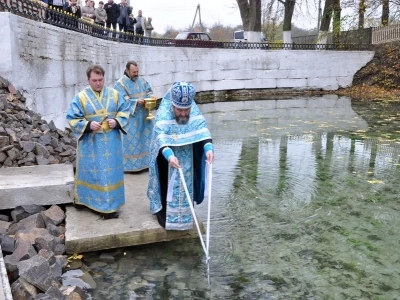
[103,109]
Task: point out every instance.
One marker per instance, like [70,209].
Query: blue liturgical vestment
[136,142]
[186,143]
[99,177]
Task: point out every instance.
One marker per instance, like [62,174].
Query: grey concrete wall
[49,64]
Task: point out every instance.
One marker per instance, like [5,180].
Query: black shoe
[161,218]
[113,215]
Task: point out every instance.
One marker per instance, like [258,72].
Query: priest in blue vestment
[180,139]
[136,142]
[97,116]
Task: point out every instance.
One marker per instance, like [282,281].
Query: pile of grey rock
[34,253]
[25,138]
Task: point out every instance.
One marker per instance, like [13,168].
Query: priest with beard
[134,89]
[180,139]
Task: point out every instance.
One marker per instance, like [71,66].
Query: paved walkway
[86,231]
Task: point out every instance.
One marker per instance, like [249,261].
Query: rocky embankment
[25,138]
[380,78]
[32,238]
[32,242]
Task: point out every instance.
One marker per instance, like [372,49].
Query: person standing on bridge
[134,88]
[97,116]
[180,139]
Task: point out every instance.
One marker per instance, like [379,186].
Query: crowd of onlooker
[109,15]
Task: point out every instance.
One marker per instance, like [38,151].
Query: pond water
[305,206]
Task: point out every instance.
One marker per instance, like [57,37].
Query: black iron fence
[39,11]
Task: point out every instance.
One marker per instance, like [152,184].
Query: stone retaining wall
[49,63]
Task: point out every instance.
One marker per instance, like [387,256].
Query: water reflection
[245,119]
[305,206]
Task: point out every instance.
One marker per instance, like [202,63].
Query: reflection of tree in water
[334,230]
[344,242]
[246,178]
[344,236]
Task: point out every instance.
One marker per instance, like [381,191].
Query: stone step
[86,231]
[40,185]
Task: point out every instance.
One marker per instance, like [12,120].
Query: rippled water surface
[305,206]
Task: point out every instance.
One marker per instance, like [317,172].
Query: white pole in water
[208,220]
[197,224]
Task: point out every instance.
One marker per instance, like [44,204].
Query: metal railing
[39,11]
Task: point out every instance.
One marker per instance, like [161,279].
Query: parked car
[238,36]
[196,39]
[241,42]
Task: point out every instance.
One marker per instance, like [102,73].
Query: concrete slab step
[86,231]
[40,185]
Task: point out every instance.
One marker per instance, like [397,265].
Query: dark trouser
[131,36]
[122,27]
[163,177]
[139,32]
[114,25]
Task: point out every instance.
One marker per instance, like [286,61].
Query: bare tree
[385,12]
[326,21]
[271,16]
[362,7]
[287,20]
[336,21]
[369,12]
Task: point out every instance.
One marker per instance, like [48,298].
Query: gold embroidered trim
[100,188]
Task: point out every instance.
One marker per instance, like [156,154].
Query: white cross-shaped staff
[206,246]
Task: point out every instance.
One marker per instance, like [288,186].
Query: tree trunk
[287,21]
[336,21]
[327,15]
[325,22]
[361,12]
[385,12]
[250,12]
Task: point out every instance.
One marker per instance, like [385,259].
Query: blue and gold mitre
[182,94]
